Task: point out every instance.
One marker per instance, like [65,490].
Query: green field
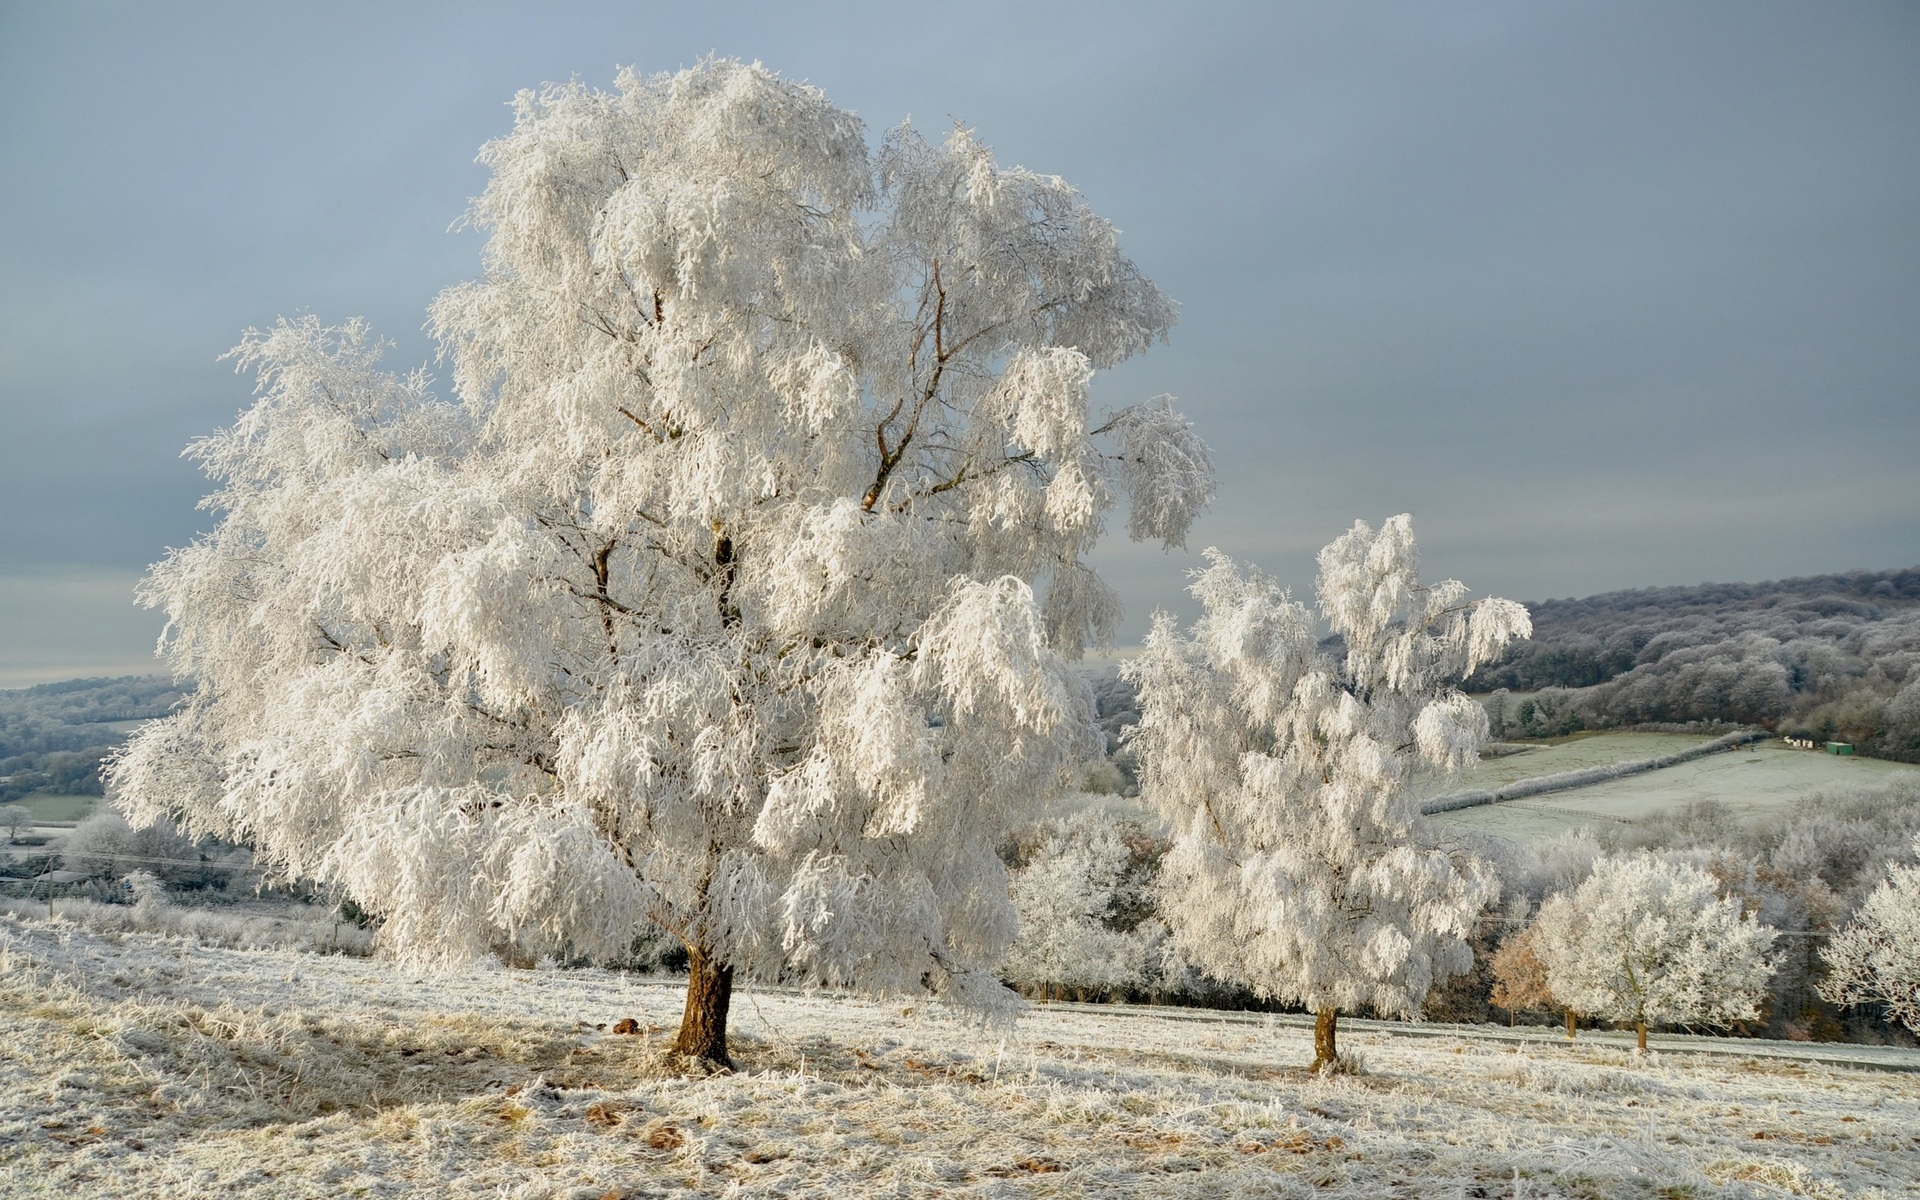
[1754,783]
[49,806]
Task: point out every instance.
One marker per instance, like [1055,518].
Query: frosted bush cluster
[104,846]
[282,926]
[1697,894]
[1084,893]
[1876,960]
[1646,939]
[1679,936]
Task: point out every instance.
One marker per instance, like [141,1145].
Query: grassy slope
[1551,758]
[1758,782]
[137,1066]
[52,806]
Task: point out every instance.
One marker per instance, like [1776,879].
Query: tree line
[53,736]
[1829,657]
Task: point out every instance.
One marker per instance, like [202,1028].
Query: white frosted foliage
[1876,958]
[1064,895]
[733,589]
[1300,865]
[1650,940]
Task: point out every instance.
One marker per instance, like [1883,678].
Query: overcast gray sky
[1607,294]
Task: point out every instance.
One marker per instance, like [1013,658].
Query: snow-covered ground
[136,1065]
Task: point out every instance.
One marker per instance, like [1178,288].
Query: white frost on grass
[255,926]
[134,1065]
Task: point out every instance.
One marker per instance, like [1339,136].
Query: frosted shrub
[1104,778]
[734,589]
[1300,865]
[1536,870]
[1830,848]
[106,847]
[149,894]
[1645,939]
[241,927]
[1876,959]
[1520,978]
[1067,896]
[1501,713]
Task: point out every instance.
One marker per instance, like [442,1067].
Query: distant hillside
[1835,656]
[53,736]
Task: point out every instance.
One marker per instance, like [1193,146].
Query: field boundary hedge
[1564,781]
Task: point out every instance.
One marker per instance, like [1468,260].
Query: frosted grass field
[1594,750]
[1753,783]
[136,1065]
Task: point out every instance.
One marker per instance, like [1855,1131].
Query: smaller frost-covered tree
[1520,979]
[1301,866]
[1648,939]
[14,818]
[1876,959]
[1065,896]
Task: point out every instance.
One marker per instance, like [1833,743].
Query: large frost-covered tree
[731,592]
[1876,958]
[1649,939]
[1300,865]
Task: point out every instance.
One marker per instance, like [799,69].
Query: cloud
[68,624]
[1609,295]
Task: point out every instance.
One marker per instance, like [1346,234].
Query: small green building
[1839,748]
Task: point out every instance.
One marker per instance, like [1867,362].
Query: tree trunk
[703,1027]
[1640,1027]
[1573,1025]
[1325,1029]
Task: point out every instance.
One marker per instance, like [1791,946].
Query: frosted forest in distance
[725,619]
